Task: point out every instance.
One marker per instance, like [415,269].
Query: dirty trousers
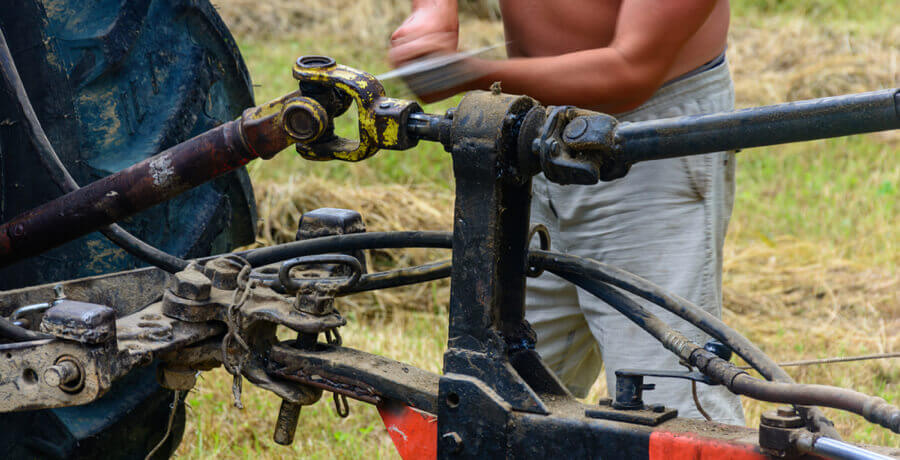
[664,221]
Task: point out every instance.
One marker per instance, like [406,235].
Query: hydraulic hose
[874,409]
[60,175]
[349,242]
[687,311]
[400,277]
[10,331]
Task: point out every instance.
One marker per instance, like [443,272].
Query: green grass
[841,193]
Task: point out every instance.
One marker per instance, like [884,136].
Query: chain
[234,362]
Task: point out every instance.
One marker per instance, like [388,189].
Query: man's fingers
[437,43]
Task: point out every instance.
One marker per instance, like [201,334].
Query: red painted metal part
[414,432]
[665,445]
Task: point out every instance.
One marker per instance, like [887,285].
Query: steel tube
[832,448]
[754,127]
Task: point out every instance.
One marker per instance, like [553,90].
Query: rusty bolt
[223,272]
[452,442]
[61,373]
[190,284]
[286,423]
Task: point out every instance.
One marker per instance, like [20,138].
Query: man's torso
[552,27]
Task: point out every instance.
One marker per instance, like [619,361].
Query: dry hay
[357,22]
[795,59]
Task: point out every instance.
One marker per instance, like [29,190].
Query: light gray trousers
[665,221]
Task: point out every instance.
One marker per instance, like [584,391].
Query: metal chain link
[234,362]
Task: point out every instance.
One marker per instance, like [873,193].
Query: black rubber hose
[874,409]
[10,331]
[400,277]
[350,242]
[691,313]
[679,306]
[60,175]
[696,316]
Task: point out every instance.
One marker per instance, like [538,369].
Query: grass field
[811,257]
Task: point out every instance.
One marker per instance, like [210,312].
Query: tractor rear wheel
[114,82]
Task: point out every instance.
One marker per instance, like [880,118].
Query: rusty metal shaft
[258,133]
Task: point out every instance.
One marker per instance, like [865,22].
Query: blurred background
[812,251]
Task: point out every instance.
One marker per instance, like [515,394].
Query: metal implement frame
[496,397]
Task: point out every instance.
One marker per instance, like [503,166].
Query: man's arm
[649,34]
[433,27]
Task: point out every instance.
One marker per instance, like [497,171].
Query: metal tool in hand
[438,72]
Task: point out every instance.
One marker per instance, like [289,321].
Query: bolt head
[452,441]
[575,129]
[191,284]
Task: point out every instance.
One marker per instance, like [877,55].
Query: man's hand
[433,27]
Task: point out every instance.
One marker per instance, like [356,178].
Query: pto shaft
[769,125]
[258,133]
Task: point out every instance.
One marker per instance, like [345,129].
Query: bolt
[286,423]
[786,411]
[554,147]
[18,230]
[61,373]
[224,272]
[59,292]
[303,123]
[452,442]
[575,129]
[659,408]
[190,284]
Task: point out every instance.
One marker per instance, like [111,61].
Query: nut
[190,284]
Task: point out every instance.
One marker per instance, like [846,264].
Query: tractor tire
[114,82]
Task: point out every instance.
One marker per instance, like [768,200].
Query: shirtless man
[666,220]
